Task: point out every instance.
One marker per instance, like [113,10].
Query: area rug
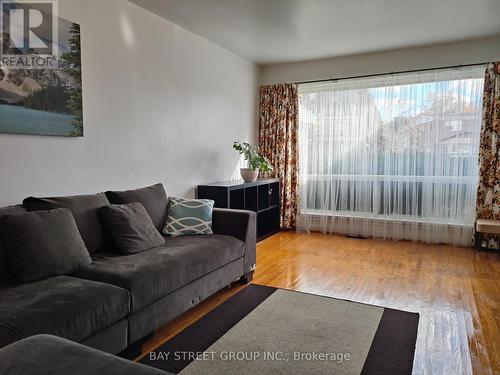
[264,330]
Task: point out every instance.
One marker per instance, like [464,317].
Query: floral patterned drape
[488,195]
[278,130]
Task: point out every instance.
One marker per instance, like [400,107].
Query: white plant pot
[249,174]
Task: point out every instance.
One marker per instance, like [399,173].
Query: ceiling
[272,31]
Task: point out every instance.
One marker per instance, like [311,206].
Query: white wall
[161,104]
[469,52]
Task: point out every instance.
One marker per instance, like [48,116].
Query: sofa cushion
[5,266]
[153,198]
[130,228]
[63,306]
[157,272]
[45,354]
[187,217]
[85,210]
[42,244]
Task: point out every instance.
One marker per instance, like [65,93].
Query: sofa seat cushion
[62,306]
[155,273]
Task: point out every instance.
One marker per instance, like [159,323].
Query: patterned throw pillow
[189,216]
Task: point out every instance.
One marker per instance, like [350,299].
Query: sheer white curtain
[393,156]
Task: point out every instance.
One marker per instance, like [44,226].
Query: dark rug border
[210,327]
[395,337]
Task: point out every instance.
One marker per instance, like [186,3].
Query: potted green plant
[256,162]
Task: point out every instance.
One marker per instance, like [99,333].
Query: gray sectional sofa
[118,300]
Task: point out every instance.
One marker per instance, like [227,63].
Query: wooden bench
[486,227]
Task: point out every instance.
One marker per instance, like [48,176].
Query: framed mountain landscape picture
[41,89]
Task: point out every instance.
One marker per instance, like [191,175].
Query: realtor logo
[29,34]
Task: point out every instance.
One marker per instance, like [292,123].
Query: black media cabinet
[261,196]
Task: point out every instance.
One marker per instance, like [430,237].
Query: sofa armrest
[239,224]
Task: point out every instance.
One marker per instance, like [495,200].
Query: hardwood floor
[455,290]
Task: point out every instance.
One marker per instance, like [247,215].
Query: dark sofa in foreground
[45,354]
[118,300]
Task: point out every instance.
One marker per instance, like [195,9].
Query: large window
[393,149]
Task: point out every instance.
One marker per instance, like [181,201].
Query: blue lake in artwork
[20,120]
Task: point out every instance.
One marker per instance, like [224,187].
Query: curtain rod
[389,73]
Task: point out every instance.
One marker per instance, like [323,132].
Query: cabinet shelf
[261,196]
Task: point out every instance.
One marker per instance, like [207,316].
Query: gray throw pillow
[43,244]
[84,209]
[153,198]
[187,217]
[130,228]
